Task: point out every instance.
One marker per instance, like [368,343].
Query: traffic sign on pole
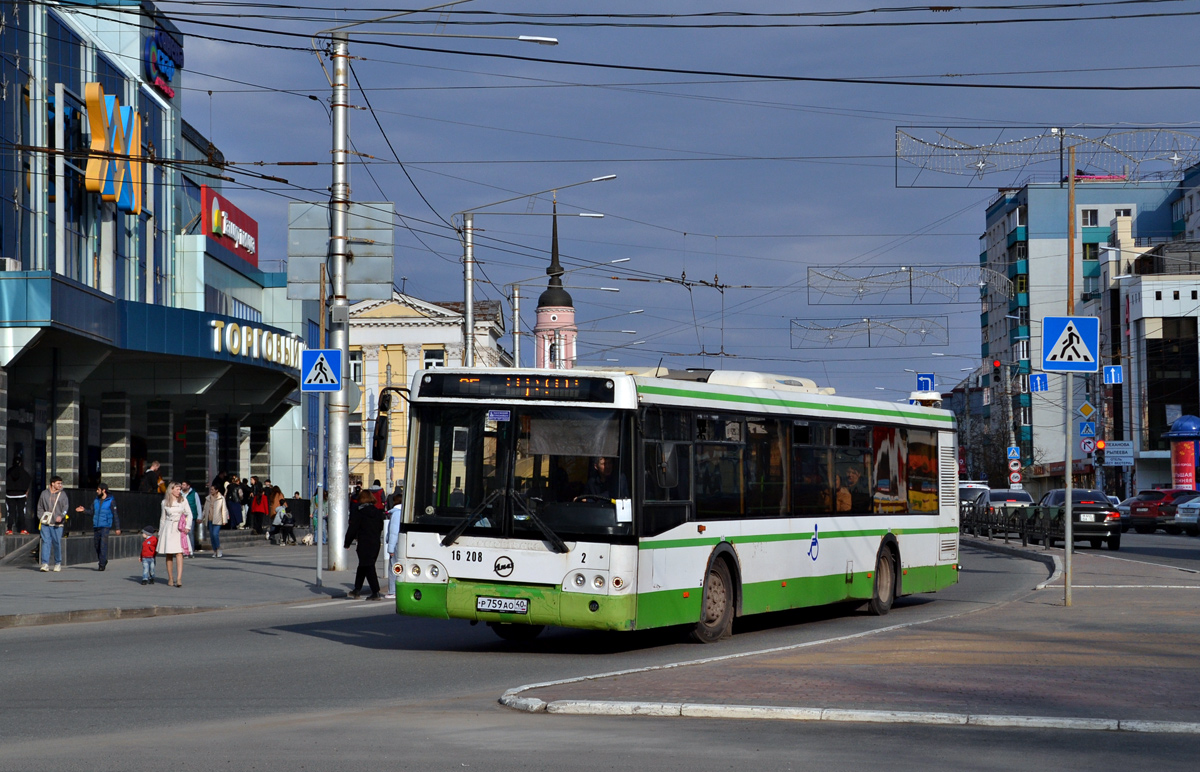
[1087,428]
[1087,445]
[1113,375]
[924,381]
[1039,382]
[1014,451]
[321,369]
[1014,477]
[1014,465]
[1070,344]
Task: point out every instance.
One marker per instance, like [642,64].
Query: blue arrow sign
[1039,382]
[1014,452]
[1113,374]
[924,381]
[321,369]
[1070,344]
[1087,428]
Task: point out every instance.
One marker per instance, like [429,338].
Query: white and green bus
[625,501]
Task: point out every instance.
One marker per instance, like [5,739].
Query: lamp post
[468,236]
[339,305]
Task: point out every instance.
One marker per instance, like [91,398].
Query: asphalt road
[343,685]
[1181,551]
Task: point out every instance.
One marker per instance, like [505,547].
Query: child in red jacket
[149,547]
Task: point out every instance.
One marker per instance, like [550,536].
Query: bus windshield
[523,471]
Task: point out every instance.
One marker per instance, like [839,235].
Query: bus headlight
[416,570]
[579,580]
[598,582]
[433,571]
[398,569]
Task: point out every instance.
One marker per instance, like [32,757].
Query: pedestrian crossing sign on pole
[321,370]
[1070,344]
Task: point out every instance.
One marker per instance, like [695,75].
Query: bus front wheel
[716,606]
[885,584]
[516,633]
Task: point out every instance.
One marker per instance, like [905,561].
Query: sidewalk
[248,575]
[1123,656]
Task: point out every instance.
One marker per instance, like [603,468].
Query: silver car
[1187,516]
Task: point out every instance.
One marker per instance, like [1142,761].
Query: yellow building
[390,340]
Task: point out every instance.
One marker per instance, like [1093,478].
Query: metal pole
[1067,469]
[1071,237]
[517,325]
[319,515]
[469,290]
[339,333]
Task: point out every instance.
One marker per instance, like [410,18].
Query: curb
[1050,560]
[98,615]
[701,710]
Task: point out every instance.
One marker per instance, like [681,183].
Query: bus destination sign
[503,386]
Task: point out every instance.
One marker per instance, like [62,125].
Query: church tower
[555,331]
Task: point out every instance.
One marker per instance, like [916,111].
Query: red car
[1151,509]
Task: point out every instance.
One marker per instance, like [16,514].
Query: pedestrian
[104,519]
[52,514]
[220,481]
[392,543]
[173,526]
[287,527]
[16,496]
[276,526]
[192,497]
[365,528]
[216,514]
[260,506]
[149,554]
[234,503]
[152,480]
[377,491]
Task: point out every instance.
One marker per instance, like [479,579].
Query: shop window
[1091,218]
[435,357]
[356,367]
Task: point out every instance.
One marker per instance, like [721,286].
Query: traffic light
[1098,458]
[381,440]
[996,369]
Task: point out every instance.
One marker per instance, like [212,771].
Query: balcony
[1020,332]
[1019,300]
[1017,234]
[1017,268]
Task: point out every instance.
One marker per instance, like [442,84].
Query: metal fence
[1028,523]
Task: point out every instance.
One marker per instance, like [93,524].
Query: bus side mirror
[666,465]
[379,440]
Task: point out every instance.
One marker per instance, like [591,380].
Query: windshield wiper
[555,541]
[471,518]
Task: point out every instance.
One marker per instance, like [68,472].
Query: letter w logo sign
[114,167]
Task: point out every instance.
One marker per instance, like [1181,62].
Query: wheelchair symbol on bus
[814,547]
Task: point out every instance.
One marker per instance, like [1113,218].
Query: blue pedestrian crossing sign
[1071,344]
[321,369]
[1113,375]
[1014,451]
[1087,428]
[1039,382]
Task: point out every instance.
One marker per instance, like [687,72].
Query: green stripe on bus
[890,412]
[769,537]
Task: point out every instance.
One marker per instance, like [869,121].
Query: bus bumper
[548,604]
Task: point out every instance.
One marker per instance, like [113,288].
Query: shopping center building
[136,320]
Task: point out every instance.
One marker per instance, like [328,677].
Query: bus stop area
[1122,657]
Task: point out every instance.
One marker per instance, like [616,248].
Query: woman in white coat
[173,527]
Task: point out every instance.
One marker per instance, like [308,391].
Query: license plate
[1087,518]
[503,605]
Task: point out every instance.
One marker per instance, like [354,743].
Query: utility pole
[339,310]
[1069,381]
[517,325]
[469,289]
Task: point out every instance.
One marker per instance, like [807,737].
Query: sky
[753,158]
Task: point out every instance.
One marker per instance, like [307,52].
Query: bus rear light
[398,569]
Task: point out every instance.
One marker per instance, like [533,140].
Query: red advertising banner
[1183,464]
[229,226]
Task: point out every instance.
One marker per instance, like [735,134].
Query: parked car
[1003,499]
[1187,516]
[972,497]
[1144,511]
[1114,500]
[1093,517]
[1169,512]
[1123,510]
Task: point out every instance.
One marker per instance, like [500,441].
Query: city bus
[630,500]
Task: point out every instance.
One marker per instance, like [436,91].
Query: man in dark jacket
[151,480]
[17,497]
[365,527]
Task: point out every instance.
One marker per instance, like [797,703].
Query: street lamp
[468,234]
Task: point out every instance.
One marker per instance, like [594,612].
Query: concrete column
[260,452]
[228,454]
[160,438]
[412,363]
[195,462]
[115,428]
[454,356]
[66,433]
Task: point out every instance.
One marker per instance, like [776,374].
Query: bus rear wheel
[516,633]
[885,584]
[716,605]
